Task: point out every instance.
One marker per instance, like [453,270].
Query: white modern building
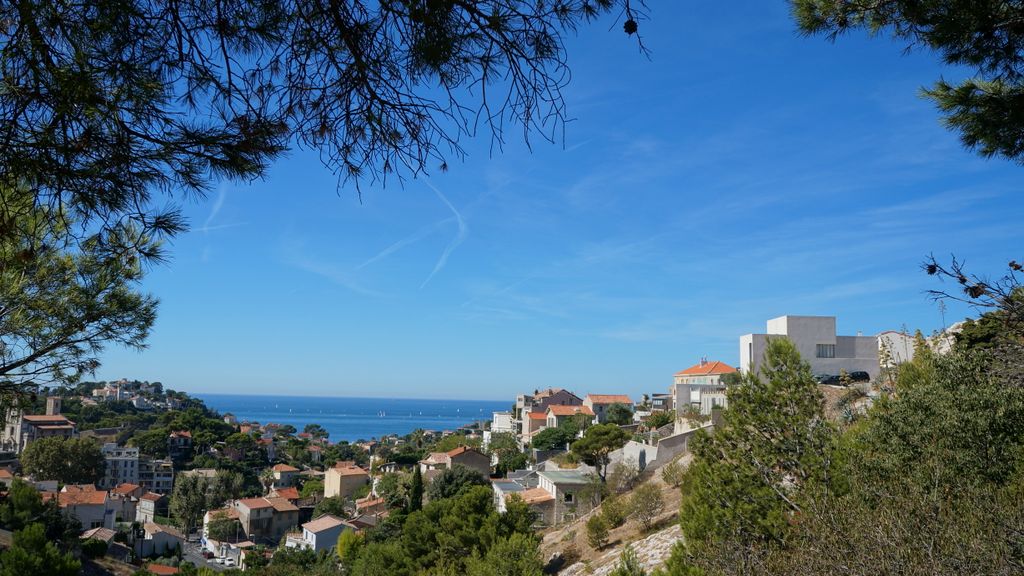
[816,340]
[899,345]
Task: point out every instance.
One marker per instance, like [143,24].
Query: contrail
[402,243]
[222,193]
[459,237]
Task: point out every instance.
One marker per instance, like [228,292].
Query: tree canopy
[986,37]
[927,481]
[62,302]
[68,461]
[597,443]
[32,553]
[453,481]
[106,103]
[619,413]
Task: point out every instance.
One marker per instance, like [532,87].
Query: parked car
[207,554]
[229,561]
[860,376]
[827,379]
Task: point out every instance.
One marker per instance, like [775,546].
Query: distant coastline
[354,419]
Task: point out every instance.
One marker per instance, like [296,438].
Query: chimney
[53,405]
[703,360]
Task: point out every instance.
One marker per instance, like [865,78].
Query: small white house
[159,540]
[320,534]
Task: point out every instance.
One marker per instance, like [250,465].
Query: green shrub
[615,511]
[93,548]
[597,531]
[672,473]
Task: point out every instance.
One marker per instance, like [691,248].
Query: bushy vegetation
[928,481]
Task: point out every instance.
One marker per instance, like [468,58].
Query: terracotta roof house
[150,506]
[599,403]
[266,519]
[90,506]
[700,388]
[370,505]
[344,479]
[159,540]
[291,493]
[127,489]
[160,569]
[463,455]
[23,429]
[557,415]
[705,368]
[284,475]
[179,444]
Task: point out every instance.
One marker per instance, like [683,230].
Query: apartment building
[122,465]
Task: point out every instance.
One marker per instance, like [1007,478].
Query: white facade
[320,534]
[502,422]
[900,347]
[816,340]
[122,465]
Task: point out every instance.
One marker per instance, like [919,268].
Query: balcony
[295,540]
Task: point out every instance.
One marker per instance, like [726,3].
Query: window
[826,351]
[568,498]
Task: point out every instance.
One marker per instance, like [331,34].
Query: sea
[354,419]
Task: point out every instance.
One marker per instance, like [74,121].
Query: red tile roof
[81,498]
[349,469]
[461,450]
[160,569]
[284,468]
[435,458]
[181,433]
[538,416]
[707,369]
[46,418]
[255,503]
[151,496]
[289,493]
[570,410]
[225,512]
[609,399]
[5,473]
[126,488]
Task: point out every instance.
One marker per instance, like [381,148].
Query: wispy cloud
[297,254]
[460,235]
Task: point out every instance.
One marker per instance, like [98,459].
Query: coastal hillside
[652,545]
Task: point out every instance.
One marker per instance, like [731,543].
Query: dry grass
[574,535]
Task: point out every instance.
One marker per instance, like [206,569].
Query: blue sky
[741,173]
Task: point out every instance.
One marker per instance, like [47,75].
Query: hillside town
[180,483]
